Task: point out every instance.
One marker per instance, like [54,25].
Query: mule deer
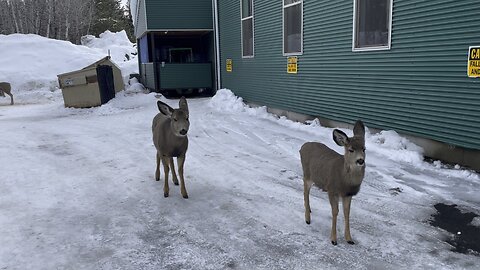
[169,129]
[5,88]
[340,176]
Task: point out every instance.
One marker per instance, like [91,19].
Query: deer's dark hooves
[307,221]
[165,195]
[175,183]
[157,179]
[334,243]
[185,196]
[351,242]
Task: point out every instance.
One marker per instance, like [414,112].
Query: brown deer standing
[169,129]
[5,88]
[339,175]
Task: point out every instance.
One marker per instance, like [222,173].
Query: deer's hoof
[165,194]
[334,243]
[175,183]
[307,221]
[351,242]
[185,196]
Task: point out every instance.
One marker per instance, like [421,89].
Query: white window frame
[376,48]
[300,2]
[253,29]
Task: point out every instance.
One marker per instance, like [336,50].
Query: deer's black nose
[183,132]
[360,161]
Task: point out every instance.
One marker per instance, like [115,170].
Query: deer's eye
[350,150]
[175,119]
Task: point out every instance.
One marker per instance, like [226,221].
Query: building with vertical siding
[175,40]
[395,64]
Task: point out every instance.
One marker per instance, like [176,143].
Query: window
[247,27]
[292,27]
[372,24]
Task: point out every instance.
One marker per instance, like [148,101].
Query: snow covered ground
[78,191]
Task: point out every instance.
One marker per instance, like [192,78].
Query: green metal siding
[417,87]
[140,19]
[191,75]
[179,14]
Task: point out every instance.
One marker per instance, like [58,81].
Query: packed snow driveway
[78,192]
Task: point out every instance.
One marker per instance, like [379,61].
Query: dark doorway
[105,83]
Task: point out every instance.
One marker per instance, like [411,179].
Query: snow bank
[31,63]
[386,143]
[476,222]
[395,147]
[226,101]
[118,44]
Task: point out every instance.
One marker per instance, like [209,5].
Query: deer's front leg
[180,162]
[165,170]
[174,175]
[346,213]
[334,204]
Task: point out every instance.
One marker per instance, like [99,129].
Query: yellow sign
[229,65]
[292,64]
[474,62]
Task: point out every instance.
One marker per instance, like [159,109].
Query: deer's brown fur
[339,175]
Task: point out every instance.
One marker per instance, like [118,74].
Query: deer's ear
[183,104]
[359,129]
[164,108]
[340,137]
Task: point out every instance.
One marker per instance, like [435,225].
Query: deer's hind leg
[11,97]
[307,185]
[157,168]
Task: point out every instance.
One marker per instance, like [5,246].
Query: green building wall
[418,87]
[162,15]
[179,14]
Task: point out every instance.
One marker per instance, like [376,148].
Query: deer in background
[169,129]
[339,175]
[5,88]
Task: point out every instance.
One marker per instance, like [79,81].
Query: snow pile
[386,143]
[31,63]
[395,147]
[476,222]
[117,44]
[226,101]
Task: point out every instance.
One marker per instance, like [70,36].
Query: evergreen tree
[110,15]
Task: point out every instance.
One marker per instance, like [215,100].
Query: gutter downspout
[217,44]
